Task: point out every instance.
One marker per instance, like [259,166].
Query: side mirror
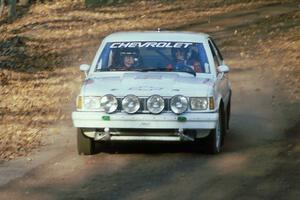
[223,69]
[85,68]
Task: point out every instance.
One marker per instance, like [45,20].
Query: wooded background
[12,5]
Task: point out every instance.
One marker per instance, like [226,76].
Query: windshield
[154,56]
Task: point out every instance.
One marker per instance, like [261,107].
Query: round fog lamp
[109,103]
[179,104]
[155,104]
[131,104]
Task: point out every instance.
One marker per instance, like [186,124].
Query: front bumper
[144,121]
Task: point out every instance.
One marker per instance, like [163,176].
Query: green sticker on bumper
[105,118]
[181,119]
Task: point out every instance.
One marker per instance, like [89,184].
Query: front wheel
[85,145]
[214,141]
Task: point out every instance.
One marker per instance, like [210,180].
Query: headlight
[91,103]
[109,103]
[179,104]
[198,103]
[131,104]
[155,104]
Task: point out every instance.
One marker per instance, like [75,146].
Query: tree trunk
[24,2]
[1,7]
[95,3]
[12,9]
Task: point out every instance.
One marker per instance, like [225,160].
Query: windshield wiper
[152,69]
[187,70]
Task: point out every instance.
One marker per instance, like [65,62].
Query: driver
[194,61]
[183,59]
[129,59]
[180,55]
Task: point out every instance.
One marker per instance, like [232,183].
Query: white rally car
[154,86]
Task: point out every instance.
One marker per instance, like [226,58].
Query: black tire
[215,140]
[228,115]
[85,145]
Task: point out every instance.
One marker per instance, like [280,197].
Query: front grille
[143,107]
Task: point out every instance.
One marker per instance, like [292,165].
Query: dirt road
[260,159]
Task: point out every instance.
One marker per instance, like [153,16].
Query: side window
[215,54]
[217,49]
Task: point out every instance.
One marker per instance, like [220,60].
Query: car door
[225,80]
[222,79]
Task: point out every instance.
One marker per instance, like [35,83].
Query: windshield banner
[150,44]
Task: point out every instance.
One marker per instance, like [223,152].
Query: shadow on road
[148,147]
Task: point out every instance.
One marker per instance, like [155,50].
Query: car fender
[218,101]
[226,98]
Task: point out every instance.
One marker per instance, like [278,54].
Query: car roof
[174,36]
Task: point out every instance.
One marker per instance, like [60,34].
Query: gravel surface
[262,150]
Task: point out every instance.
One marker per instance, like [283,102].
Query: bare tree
[2,4]
[12,9]
[24,2]
[91,3]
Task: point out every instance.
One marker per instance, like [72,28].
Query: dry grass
[278,42]
[41,50]
[29,104]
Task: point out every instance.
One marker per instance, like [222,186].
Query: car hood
[146,84]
